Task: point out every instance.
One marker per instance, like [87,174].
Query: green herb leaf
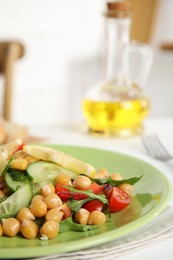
[75,205]
[69,225]
[115,183]
[89,193]
[16,175]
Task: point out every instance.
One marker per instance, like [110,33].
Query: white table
[76,135]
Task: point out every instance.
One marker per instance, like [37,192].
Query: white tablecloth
[76,135]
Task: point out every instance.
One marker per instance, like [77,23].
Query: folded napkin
[159,229]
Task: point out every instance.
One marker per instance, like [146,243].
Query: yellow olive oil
[121,118]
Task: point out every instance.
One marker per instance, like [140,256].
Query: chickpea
[25,213]
[29,229]
[116,176]
[54,214]
[19,164]
[38,208]
[49,230]
[82,182]
[47,189]
[63,179]
[52,201]
[126,187]
[10,226]
[96,218]
[2,194]
[1,230]
[82,216]
[37,197]
[102,173]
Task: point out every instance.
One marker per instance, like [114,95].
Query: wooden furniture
[9,53]
[143,19]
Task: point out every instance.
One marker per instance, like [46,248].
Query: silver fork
[155,148]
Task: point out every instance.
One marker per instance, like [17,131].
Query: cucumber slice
[40,171]
[11,184]
[19,199]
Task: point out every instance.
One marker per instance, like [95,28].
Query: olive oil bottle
[117,105]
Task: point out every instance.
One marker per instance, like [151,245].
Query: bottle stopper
[118,9]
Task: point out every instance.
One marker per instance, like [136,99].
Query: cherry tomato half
[118,200]
[65,194]
[93,205]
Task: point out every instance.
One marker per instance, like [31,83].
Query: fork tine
[148,144]
[155,148]
[160,146]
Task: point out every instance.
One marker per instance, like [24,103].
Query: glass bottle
[117,105]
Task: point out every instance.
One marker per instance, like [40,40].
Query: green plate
[151,195]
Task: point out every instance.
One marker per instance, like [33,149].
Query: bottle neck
[117,39]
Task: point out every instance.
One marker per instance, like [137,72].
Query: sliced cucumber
[19,199]
[40,171]
[11,184]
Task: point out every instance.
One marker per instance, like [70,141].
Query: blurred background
[61,54]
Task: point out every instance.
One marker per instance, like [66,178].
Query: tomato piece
[20,147]
[118,200]
[66,210]
[65,194]
[96,188]
[93,205]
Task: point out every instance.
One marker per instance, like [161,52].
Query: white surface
[64,41]
[75,135]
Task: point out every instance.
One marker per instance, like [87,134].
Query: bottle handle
[140,58]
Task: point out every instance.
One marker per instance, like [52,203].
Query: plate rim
[133,226]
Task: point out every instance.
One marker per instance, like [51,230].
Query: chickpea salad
[44,192]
